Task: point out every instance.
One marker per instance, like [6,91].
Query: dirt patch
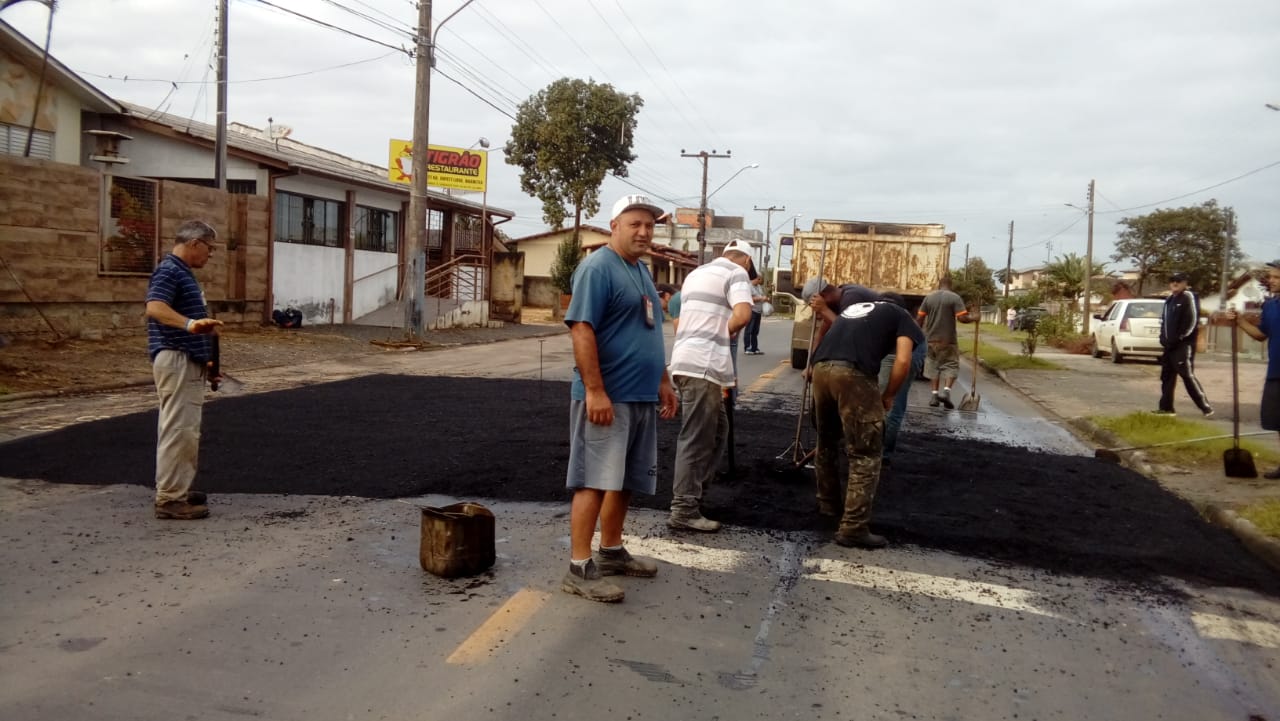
[396,436]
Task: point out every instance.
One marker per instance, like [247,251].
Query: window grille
[466,233]
[310,221]
[375,229]
[435,229]
[130,235]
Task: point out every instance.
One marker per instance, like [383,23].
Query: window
[435,229]
[310,221]
[129,239]
[13,141]
[466,232]
[375,229]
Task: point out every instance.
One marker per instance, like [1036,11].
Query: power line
[322,23]
[1195,192]
[233,82]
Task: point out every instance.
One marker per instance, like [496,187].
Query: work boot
[860,539]
[620,562]
[933,401]
[944,395]
[588,583]
[693,523]
[197,498]
[1272,475]
[180,511]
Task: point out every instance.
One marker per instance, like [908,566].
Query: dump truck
[906,258]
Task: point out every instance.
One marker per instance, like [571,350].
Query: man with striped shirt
[715,305]
[180,341]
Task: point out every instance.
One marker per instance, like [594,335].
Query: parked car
[1130,327]
[1027,318]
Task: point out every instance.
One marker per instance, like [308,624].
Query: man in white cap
[620,388]
[715,305]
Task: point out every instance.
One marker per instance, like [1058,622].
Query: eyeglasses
[207,244]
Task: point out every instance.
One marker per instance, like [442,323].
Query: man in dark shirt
[1179,326]
[179,340]
[849,405]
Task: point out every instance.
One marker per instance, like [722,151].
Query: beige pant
[180,385]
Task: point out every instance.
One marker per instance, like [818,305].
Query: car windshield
[1143,310]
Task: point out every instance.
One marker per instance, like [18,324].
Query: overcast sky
[970,113]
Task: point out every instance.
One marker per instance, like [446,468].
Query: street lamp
[1273,106]
[1088,261]
[731,177]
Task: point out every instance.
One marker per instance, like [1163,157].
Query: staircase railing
[462,278]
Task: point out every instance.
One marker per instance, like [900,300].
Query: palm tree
[1065,276]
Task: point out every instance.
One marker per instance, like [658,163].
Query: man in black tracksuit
[1179,324]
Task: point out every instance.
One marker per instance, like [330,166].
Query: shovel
[971,399]
[1236,461]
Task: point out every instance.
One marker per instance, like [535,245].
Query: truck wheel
[799,357]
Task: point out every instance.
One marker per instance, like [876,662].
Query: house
[1025,280]
[86,217]
[540,254]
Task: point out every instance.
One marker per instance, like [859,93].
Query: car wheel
[799,357]
[1093,348]
[1115,352]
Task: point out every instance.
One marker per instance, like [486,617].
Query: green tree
[568,254]
[1190,239]
[1065,277]
[566,139]
[975,283]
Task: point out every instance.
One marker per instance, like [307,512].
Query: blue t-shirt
[608,294]
[1270,325]
[173,284]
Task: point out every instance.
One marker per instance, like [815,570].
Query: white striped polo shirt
[707,299]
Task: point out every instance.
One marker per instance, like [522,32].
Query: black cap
[1178,277]
[1274,264]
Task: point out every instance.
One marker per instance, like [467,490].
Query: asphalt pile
[399,436]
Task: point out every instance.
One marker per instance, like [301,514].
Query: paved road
[315,608]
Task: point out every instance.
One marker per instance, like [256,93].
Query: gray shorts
[942,358]
[617,457]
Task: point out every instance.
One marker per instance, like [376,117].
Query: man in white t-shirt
[715,305]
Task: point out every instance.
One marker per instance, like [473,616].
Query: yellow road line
[764,378]
[499,628]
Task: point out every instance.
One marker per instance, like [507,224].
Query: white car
[1130,327]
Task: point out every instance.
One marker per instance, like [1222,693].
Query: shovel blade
[1238,463]
[970,402]
[230,385]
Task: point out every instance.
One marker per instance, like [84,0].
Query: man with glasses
[180,342]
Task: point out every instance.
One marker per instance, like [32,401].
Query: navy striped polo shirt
[174,284]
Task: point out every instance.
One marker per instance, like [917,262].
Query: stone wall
[51,219]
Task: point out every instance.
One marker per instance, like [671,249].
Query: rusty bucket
[457,540]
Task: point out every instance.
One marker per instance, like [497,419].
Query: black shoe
[934,402]
[1272,475]
[865,539]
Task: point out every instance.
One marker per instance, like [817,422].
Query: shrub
[568,255]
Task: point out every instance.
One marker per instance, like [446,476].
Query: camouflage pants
[847,407]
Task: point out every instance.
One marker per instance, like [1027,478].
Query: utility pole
[1088,266]
[768,242]
[702,207]
[1008,266]
[966,262]
[220,133]
[415,252]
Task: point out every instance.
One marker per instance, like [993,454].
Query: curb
[136,382]
[1264,547]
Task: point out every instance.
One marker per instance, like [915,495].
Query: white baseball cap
[739,245]
[636,202]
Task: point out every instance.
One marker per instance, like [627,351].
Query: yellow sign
[456,168]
